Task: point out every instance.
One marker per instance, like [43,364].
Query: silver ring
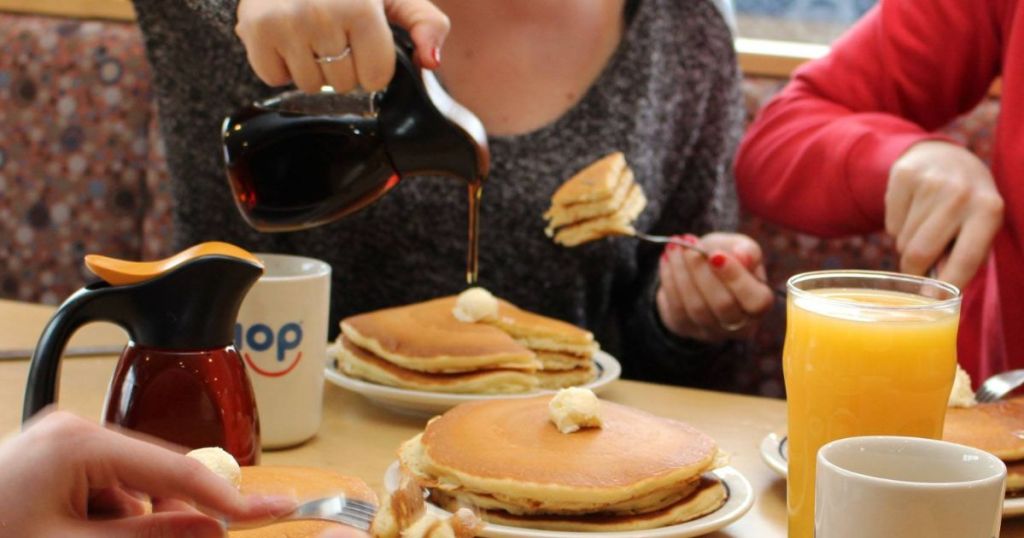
[331,59]
[733,327]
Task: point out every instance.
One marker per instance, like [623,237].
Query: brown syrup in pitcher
[190,398]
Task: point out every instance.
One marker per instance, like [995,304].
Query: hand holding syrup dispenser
[179,377]
[300,160]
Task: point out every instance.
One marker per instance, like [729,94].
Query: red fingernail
[689,239]
[664,255]
[435,53]
[717,260]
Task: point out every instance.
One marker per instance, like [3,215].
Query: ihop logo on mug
[275,348]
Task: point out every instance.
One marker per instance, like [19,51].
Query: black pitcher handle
[96,302]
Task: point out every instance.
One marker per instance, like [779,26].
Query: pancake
[305,483]
[706,498]
[996,427]
[553,360]
[1014,478]
[560,379]
[360,363]
[560,215]
[618,223]
[426,337]
[595,182]
[541,333]
[510,448]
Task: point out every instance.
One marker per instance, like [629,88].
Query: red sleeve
[817,157]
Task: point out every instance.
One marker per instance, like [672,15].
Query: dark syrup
[474,190]
[194,399]
[291,168]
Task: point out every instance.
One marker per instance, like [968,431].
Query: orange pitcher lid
[118,272]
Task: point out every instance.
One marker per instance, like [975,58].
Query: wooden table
[359,438]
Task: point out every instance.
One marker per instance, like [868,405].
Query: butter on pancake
[305,483]
[637,471]
[574,408]
[220,462]
[602,199]
[475,304]
[961,395]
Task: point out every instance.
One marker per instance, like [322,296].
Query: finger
[268,65]
[373,50]
[338,74]
[921,207]
[697,309]
[165,525]
[173,505]
[929,243]
[302,67]
[113,503]
[970,250]
[670,305]
[115,458]
[427,25]
[898,195]
[723,305]
[753,295]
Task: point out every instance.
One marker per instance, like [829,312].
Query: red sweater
[818,156]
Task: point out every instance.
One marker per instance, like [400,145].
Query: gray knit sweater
[669,98]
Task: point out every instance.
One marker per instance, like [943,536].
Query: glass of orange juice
[866,353]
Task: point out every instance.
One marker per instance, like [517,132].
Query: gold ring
[331,59]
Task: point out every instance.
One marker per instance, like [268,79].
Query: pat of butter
[962,395]
[475,304]
[220,462]
[574,408]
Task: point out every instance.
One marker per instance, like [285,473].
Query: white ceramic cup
[885,487]
[281,335]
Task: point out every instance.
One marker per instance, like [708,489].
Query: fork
[664,239]
[339,508]
[999,385]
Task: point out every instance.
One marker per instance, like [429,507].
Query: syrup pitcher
[179,377]
[300,160]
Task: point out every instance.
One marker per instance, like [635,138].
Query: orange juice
[861,362]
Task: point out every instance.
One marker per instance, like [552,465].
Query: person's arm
[818,157]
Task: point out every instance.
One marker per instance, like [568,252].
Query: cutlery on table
[999,385]
[339,509]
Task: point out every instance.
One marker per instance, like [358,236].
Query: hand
[942,199]
[283,40]
[713,299]
[65,476]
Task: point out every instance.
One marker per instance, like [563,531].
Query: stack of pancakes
[506,458]
[423,346]
[600,200]
[997,428]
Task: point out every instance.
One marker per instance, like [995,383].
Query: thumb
[748,253]
[427,25]
[162,525]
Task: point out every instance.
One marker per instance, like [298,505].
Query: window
[806,21]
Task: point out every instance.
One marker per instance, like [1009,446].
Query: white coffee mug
[281,335]
[884,487]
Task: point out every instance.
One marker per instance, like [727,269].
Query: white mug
[884,487]
[281,335]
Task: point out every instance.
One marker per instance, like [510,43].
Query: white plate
[775,453]
[423,403]
[740,499]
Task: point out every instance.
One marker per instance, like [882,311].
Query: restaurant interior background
[82,167]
